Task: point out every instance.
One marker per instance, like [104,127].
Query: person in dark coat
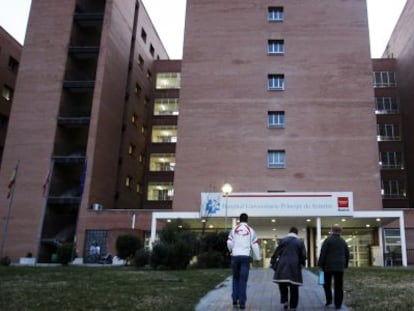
[333,260]
[287,261]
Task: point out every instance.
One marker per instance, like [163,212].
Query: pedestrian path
[263,294]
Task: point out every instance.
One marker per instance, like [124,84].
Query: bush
[127,245]
[210,259]
[176,247]
[211,245]
[64,253]
[5,261]
[141,257]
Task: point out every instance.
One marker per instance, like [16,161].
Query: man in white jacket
[242,239]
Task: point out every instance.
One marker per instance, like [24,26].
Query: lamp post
[227,189]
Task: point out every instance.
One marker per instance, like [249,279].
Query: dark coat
[288,259]
[334,255]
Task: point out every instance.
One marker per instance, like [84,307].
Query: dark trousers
[338,278]
[240,266]
[284,289]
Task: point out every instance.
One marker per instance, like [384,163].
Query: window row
[144,38]
[386,105]
[391,160]
[384,79]
[388,132]
[393,189]
[168,80]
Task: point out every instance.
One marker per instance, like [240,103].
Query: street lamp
[227,189]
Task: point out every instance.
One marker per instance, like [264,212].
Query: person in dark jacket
[287,261]
[333,260]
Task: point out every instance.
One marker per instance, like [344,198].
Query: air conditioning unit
[97,207]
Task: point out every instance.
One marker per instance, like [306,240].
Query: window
[388,132]
[128,181]
[164,134]
[151,49]
[140,62]
[276,159]
[149,74]
[168,80]
[386,105]
[160,162]
[162,191]
[275,47]
[166,107]
[7,93]
[275,14]
[384,79]
[13,64]
[276,119]
[131,149]
[138,188]
[143,35]
[138,89]
[390,160]
[275,82]
[392,189]
[134,119]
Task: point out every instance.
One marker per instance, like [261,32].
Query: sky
[168,18]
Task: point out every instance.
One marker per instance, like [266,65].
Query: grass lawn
[385,289]
[104,288]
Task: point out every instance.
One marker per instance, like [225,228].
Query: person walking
[333,261]
[241,240]
[287,261]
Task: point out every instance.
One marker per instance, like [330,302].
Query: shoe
[328,303]
[285,306]
[338,308]
[242,307]
[234,302]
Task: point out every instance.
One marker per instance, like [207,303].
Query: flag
[12,180]
[47,180]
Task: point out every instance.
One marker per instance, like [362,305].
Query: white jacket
[241,240]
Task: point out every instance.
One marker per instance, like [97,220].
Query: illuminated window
[134,119]
[128,181]
[160,162]
[7,93]
[162,191]
[131,149]
[168,80]
[166,107]
[164,134]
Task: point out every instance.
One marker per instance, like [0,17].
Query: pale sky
[168,18]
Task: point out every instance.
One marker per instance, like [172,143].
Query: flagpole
[9,206]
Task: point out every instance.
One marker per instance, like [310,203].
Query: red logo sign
[343,203]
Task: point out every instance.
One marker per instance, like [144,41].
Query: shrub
[5,261]
[175,248]
[64,253]
[213,244]
[141,257]
[127,245]
[210,259]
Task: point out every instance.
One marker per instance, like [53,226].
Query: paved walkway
[263,294]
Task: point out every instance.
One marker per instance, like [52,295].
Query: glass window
[128,181]
[13,64]
[276,82]
[131,149]
[275,46]
[164,134]
[276,119]
[166,107]
[392,189]
[276,159]
[162,162]
[151,49]
[386,105]
[140,62]
[384,79]
[388,132]
[7,93]
[143,35]
[162,191]
[390,160]
[168,80]
[275,14]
